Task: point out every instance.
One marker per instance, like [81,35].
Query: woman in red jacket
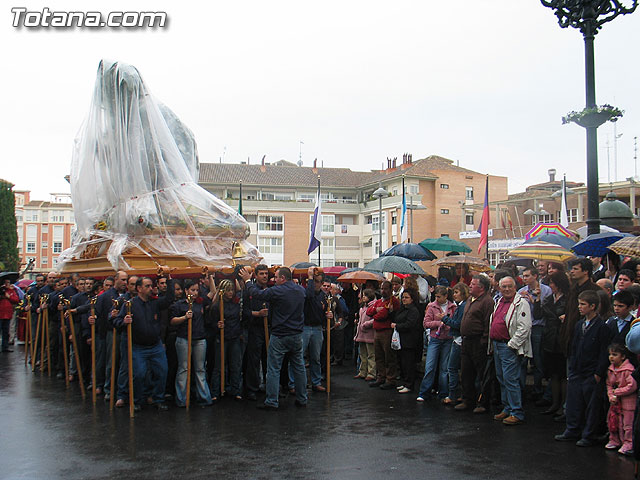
[8,300]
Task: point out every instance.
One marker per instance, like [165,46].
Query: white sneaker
[419,399]
[399,387]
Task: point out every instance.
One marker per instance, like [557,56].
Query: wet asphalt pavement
[47,431]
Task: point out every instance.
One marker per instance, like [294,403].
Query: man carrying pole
[63,331]
[147,352]
[76,352]
[286,300]
[92,303]
[256,316]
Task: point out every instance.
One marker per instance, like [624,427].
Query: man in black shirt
[255,313]
[286,300]
[148,352]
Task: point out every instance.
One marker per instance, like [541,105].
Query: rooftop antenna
[224,153]
[300,158]
[635,157]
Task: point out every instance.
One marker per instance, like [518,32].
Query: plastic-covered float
[136,200]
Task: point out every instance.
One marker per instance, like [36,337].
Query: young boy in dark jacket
[587,370]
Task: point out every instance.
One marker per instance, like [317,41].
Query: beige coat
[518,320]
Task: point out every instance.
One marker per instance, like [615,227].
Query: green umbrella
[394,265]
[444,244]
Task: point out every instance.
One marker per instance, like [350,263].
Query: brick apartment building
[278,202]
[44,228]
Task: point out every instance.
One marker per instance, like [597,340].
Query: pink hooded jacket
[621,384]
[364,332]
[430,320]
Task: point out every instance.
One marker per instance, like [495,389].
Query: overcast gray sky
[485,82]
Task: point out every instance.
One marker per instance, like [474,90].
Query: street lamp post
[380,193]
[536,213]
[413,207]
[589,16]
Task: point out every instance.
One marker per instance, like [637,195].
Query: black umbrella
[11,276]
[412,251]
[299,265]
[394,265]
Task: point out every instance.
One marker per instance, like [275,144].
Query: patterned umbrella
[360,276]
[444,244]
[551,227]
[564,242]
[597,245]
[476,264]
[394,265]
[629,246]
[542,251]
[412,251]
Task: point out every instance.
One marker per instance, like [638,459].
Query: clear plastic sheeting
[133,183]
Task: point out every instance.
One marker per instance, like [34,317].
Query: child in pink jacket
[364,338]
[621,387]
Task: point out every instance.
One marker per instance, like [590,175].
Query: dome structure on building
[615,214]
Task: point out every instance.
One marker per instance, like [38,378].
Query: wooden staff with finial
[190,299]
[114,334]
[220,296]
[63,331]
[45,333]
[92,302]
[76,352]
[129,358]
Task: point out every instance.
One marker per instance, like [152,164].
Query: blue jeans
[198,355]
[312,338]
[122,378]
[154,360]
[437,355]
[508,367]
[278,348]
[453,369]
[233,365]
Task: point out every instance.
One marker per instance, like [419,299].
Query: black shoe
[269,408]
[387,386]
[7,350]
[560,418]
[377,383]
[161,406]
[251,396]
[60,375]
[137,408]
[300,404]
[543,403]
[585,442]
[107,396]
[565,438]
[550,411]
